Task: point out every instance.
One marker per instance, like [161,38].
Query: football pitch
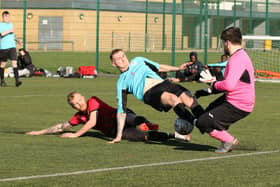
[49,160]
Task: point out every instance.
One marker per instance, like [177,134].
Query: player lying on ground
[139,77]
[239,88]
[96,114]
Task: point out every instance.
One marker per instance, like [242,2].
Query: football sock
[140,119]
[16,73]
[157,136]
[2,74]
[183,113]
[222,135]
[197,111]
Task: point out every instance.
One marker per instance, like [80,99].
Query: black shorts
[153,96]
[8,54]
[219,115]
[113,132]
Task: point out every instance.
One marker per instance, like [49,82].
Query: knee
[169,99]
[204,123]
[187,99]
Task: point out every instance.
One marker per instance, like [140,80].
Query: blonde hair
[71,96]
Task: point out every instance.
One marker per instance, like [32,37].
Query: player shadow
[177,144]
[96,134]
[187,146]
[93,134]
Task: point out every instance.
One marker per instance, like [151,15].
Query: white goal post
[265,54]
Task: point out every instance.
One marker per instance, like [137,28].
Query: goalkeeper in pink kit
[238,87]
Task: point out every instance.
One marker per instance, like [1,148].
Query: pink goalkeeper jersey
[239,83]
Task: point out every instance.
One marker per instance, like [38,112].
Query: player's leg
[191,103]
[133,120]
[165,96]
[169,99]
[2,69]
[216,121]
[3,62]
[13,57]
[134,134]
[16,73]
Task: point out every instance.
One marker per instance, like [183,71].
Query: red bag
[87,70]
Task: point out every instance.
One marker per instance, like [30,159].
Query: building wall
[117,29]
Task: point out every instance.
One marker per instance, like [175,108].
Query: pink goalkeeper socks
[223,135]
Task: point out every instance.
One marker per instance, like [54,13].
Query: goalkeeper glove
[206,77]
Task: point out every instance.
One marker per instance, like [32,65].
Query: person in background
[24,62]
[218,69]
[8,48]
[192,70]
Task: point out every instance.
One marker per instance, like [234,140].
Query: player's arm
[4,33]
[121,111]
[19,41]
[121,117]
[168,68]
[86,127]
[52,130]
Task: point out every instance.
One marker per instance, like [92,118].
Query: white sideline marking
[134,166]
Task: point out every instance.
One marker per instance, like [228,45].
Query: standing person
[139,77]
[192,70]
[96,114]
[24,62]
[8,48]
[239,88]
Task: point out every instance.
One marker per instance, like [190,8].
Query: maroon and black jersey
[106,116]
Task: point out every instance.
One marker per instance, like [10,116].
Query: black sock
[2,74]
[139,120]
[157,136]
[183,113]
[16,74]
[197,111]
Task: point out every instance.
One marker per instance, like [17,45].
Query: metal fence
[138,25]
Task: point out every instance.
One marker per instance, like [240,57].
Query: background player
[8,48]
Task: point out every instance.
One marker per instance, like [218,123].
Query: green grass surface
[41,102]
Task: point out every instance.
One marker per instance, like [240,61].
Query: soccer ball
[183,126]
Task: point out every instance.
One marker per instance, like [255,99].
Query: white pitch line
[134,166]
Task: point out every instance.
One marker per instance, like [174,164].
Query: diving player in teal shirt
[139,77]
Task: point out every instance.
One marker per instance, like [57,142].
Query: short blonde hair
[71,96]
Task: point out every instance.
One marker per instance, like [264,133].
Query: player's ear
[113,64]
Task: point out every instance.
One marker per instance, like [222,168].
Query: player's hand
[206,77]
[183,66]
[116,140]
[69,135]
[33,133]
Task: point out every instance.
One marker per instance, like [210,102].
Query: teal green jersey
[7,41]
[133,80]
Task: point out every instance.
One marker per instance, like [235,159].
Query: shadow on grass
[177,144]
[93,134]
[180,145]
